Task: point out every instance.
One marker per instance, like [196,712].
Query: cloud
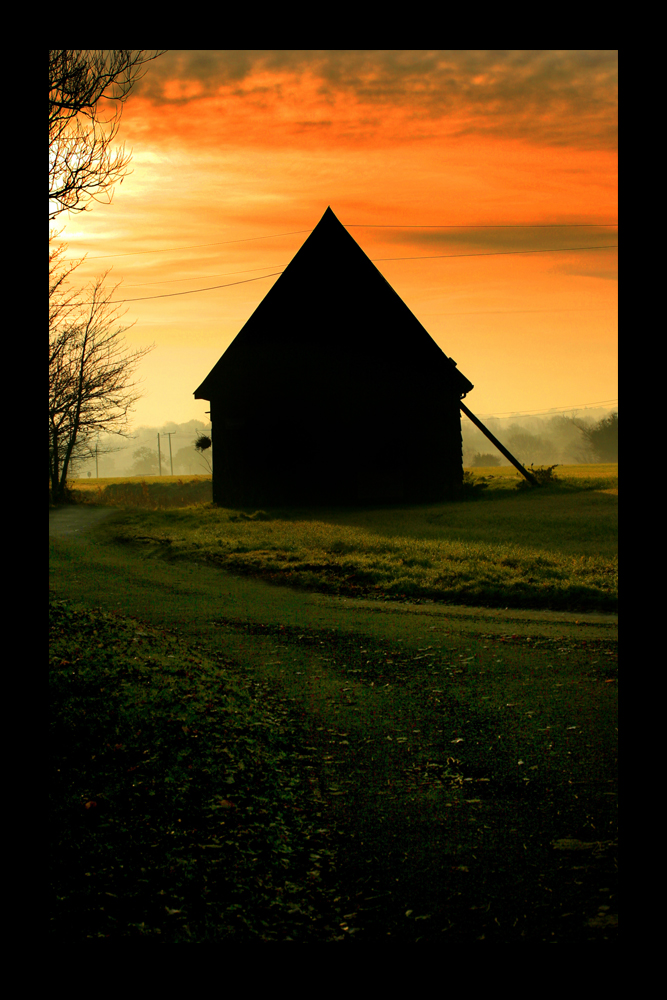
[602,263]
[487,239]
[548,96]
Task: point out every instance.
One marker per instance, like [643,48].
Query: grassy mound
[551,547]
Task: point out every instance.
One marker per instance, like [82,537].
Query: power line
[169,281]
[192,291]
[498,253]
[537,413]
[196,246]
[361,225]
[200,277]
[495,253]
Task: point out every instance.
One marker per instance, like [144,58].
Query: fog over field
[544,439]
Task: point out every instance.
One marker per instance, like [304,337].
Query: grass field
[553,547]
[235,761]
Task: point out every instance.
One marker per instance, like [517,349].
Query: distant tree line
[137,455]
[189,460]
[543,440]
[602,439]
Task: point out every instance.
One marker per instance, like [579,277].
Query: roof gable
[331,309]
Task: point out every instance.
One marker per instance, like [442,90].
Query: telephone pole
[159,453]
[170,458]
[169,435]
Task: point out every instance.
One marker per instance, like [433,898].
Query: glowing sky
[233,149]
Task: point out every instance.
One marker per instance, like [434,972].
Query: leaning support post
[501,448]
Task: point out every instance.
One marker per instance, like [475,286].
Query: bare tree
[87,89]
[91,387]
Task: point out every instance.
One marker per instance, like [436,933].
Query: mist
[138,455]
[545,439]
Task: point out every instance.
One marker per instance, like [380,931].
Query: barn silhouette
[333,393]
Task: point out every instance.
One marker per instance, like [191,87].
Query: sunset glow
[445,166]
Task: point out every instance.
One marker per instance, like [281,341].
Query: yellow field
[601,470]
[93,484]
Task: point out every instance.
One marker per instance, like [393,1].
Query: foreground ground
[234,761]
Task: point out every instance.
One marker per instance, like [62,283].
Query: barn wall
[333,392]
[274,456]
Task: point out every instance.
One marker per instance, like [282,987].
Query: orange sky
[236,148]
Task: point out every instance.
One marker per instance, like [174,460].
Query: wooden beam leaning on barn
[501,448]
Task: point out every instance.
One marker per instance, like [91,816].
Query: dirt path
[75,519]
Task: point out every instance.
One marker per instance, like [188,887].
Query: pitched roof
[332,310]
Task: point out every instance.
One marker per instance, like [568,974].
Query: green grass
[552,547]
[228,778]
[237,762]
[170,791]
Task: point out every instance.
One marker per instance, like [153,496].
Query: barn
[333,393]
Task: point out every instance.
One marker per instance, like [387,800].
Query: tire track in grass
[374,847]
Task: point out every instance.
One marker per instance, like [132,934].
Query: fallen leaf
[604,920]
[568,844]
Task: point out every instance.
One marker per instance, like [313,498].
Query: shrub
[479,461]
[544,474]
[66,496]
[472,485]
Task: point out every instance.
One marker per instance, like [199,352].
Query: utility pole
[170,458]
[159,457]
[97,471]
